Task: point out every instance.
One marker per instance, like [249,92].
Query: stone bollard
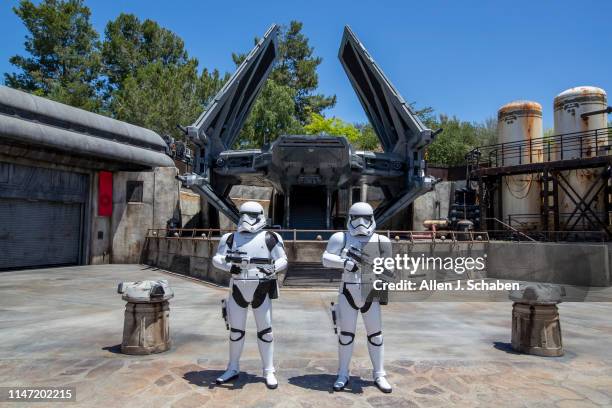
[535,320]
[146,328]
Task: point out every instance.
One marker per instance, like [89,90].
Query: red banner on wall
[105,194]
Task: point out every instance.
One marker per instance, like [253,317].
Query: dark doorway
[307,208]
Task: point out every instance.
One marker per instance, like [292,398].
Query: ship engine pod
[312,176]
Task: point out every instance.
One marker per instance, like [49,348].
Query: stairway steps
[307,274]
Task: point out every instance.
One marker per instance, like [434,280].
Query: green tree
[209,83]
[426,115]
[361,136]
[320,125]
[297,68]
[130,44]
[159,96]
[287,99]
[457,139]
[272,115]
[151,80]
[486,132]
[64,60]
[368,140]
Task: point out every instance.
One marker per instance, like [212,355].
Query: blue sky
[463,58]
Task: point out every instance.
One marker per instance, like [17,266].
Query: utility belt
[265,287]
[366,288]
[382,296]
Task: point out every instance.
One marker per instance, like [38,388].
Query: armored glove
[350,265]
[352,259]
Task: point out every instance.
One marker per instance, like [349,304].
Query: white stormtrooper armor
[340,254]
[253,257]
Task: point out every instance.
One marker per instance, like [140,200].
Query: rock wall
[193,257]
[569,264]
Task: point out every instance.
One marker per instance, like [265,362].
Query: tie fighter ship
[312,176]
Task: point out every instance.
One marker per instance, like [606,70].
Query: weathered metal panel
[41,216]
[220,123]
[218,126]
[45,111]
[38,183]
[37,233]
[322,161]
[397,126]
[38,123]
[15,130]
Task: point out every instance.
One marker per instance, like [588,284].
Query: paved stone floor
[62,326]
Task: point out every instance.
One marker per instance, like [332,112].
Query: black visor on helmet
[255,216]
[251,214]
[365,217]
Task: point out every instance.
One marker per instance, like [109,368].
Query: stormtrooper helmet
[252,217]
[361,220]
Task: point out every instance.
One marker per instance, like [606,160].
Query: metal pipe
[596,112]
[287,205]
[23,131]
[328,208]
[53,113]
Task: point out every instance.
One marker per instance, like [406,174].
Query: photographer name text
[458,285]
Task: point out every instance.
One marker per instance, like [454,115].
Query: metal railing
[577,145]
[293,235]
[549,236]
[530,231]
[511,228]
[533,220]
[438,237]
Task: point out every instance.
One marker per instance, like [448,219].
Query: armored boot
[383,384]
[271,381]
[341,382]
[227,376]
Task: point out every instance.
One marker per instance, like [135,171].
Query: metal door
[41,216]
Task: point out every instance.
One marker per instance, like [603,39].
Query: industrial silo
[578,137]
[519,129]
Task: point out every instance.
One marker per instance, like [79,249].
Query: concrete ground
[62,326]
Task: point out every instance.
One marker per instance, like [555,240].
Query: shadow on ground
[506,347]
[325,382]
[206,378]
[116,349]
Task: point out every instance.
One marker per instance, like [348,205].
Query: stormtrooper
[253,257]
[348,251]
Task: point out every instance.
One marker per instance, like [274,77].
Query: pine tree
[64,60]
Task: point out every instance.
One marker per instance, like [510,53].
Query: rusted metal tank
[569,106]
[581,139]
[519,129]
